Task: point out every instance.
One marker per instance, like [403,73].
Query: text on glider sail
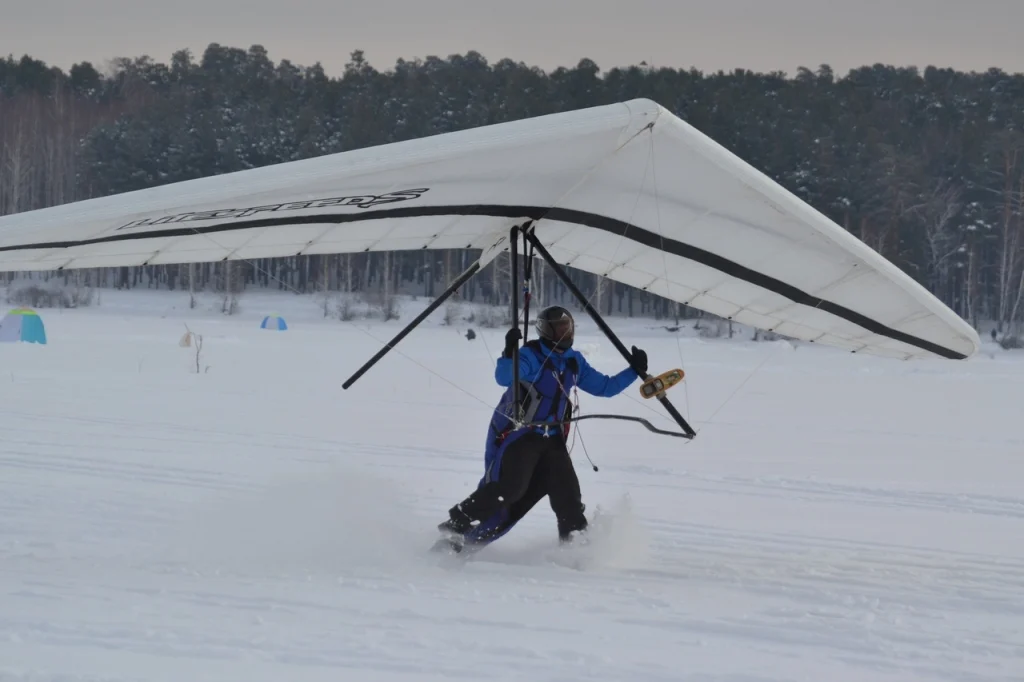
[358,201]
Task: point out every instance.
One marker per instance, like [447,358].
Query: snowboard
[453,545]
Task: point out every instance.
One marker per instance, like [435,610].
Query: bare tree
[938,213]
[1007,184]
[231,285]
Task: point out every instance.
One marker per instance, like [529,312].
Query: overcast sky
[709,34]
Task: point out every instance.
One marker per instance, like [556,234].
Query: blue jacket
[588,378]
[546,379]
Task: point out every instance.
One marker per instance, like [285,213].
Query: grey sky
[709,34]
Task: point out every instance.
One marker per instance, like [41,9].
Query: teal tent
[22,324]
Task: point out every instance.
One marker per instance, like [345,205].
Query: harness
[546,399]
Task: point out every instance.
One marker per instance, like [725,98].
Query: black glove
[511,341]
[639,361]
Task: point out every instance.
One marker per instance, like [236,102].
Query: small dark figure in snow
[523,465]
[470,334]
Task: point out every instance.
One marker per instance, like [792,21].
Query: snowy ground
[838,519]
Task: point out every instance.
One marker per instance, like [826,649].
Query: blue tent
[22,324]
[274,322]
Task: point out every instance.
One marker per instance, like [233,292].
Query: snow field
[838,517]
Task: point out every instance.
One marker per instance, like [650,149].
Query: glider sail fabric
[627,190]
[447,191]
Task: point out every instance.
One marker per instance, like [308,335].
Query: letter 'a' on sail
[627,190]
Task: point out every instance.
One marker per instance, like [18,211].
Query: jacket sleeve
[596,383]
[529,368]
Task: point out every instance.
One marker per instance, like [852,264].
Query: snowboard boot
[457,524]
[577,538]
[453,531]
[573,529]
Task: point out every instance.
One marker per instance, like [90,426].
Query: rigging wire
[649,166]
[797,321]
[664,261]
[652,165]
[589,299]
[585,453]
[523,169]
[583,177]
[618,245]
[664,256]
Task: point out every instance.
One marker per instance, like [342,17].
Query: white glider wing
[627,190]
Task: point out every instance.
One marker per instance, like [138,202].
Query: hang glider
[628,191]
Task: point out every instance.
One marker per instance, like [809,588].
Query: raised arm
[605,386]
[529,365]
[529,369]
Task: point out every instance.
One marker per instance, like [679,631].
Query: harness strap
[530,397]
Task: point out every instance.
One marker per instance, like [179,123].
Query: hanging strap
[527,275]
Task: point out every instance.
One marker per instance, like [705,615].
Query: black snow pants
[531,467]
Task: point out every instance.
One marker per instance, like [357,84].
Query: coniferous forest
[924,165]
